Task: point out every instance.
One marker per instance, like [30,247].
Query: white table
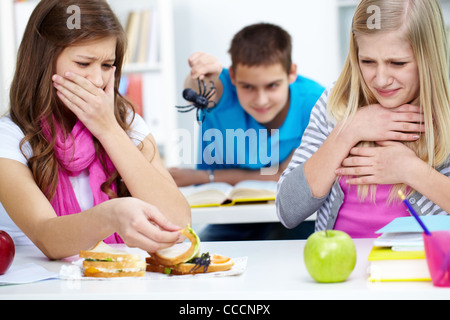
[242,213]
[275,270]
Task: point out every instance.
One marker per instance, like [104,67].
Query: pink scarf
[74,155]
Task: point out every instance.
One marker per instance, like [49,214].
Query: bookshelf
[156,73]
[157,70]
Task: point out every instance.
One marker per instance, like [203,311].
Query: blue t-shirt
[231,138]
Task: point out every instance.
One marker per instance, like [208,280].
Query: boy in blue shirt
[262,109]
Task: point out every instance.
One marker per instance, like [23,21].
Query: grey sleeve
[295,201]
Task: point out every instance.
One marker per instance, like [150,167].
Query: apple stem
[326,233]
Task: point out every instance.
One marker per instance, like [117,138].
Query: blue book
[406,234]
[409,224]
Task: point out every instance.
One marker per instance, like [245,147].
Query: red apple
[7,251]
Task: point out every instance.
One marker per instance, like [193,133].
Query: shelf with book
[149,72]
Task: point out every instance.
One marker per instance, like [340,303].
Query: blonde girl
[383,126]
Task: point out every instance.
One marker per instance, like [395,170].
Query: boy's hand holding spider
[202,85]
[92,103]
[204,65]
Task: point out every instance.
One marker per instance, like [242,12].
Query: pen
[413,212]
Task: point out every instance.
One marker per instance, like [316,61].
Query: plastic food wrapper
[26,273]
[74,271]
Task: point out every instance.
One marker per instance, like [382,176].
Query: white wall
[7,53]
[209,25]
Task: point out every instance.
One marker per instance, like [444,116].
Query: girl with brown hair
[77,164]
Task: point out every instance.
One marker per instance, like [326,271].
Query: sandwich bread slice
[185,258]
[197,265]
[105,261]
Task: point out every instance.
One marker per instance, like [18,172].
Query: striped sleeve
[426,206]
[294,200]
[315,134]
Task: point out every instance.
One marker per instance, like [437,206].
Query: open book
[220,193]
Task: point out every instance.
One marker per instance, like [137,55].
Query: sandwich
[185,258]
[104,261]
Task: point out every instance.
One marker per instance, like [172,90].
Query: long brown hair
[32,96]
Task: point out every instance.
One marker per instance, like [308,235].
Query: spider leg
[200,112]
[188,106]
[182,107]
[196,267]
[192,107]
[201,87]
[211,91]
[204,88]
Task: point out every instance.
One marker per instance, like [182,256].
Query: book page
[222,187]
[254,190]
[405,239]
[214,193]
[257,185]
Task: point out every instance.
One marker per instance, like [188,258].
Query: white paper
[400,239]
[26,273]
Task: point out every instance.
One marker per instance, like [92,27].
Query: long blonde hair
[425,30]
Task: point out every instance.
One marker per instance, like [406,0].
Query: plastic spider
[203,261]
[200,100]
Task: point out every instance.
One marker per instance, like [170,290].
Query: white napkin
[74,271]
[26,273]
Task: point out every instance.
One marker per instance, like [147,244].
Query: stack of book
[398,254]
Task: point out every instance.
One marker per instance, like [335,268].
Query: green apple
[330,256]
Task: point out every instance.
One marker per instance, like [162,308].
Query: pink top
[362,219]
